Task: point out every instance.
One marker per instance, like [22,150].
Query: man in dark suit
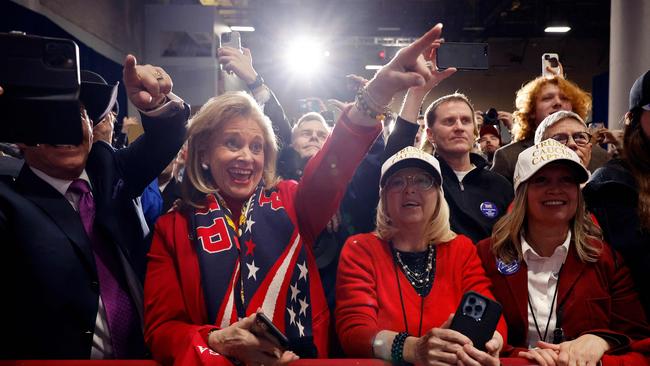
[73,256]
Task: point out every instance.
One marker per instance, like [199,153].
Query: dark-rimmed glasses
[580,138]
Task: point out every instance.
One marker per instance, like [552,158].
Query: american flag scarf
[262,265]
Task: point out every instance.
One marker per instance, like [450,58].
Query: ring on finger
[158,75]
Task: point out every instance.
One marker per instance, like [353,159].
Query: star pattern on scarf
[252,270]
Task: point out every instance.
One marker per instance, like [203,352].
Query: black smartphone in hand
[265,325]
[463,56]
[476,318]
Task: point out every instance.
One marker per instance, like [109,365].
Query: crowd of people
[352,240]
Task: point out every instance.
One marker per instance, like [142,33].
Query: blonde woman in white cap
[567,298]
[397,287]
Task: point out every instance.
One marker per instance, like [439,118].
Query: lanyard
[550,315]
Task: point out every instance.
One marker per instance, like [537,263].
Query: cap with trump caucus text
[534,158]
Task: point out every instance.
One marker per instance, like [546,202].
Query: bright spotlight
[305,56]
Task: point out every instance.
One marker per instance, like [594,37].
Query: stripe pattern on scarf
[261,265]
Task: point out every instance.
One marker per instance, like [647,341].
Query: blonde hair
[204,126]
[506,234]
[526,103]
[437,229]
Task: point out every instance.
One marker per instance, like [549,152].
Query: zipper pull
[462,187]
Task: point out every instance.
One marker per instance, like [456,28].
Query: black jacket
[48,278]
[476,203]
[611,195]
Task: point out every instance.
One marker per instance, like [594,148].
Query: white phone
[551,60]
[228,81]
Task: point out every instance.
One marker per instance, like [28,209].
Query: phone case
[552,60]
[477,317]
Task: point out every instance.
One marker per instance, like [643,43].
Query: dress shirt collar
[61,185]
[559,254]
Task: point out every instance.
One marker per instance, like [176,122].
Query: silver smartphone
[228,81]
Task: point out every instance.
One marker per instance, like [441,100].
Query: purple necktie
[122,319]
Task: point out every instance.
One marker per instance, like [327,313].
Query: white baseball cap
[410,157]
[534,158]
[552,119]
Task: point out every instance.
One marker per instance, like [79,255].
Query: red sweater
[368,299]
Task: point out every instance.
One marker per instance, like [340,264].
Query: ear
[628,118]
[430,136]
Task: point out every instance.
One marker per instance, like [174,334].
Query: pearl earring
[204,166]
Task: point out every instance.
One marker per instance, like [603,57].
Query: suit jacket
[597,298]
[505,158]
[48,277]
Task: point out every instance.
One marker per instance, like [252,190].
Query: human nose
[571,143]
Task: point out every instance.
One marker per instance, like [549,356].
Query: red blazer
[594,298]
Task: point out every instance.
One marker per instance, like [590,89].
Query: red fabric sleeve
[328,174]
[356,300]
[170,332]
[475,279]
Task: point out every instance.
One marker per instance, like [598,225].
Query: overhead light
[389,29]
[241,28]
[304,56]
[373,67]
[557,29]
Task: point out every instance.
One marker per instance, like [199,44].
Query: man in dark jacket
[74,257]
[477,197]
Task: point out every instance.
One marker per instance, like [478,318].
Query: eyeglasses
[580,138]
[421,182]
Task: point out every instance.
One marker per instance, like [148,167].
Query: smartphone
[463,56]
[229,81]
[551,60]
[477,317]
[266,325]
[40,77]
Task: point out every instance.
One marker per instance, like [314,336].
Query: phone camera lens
[471,300]
[478,308]
[468,309]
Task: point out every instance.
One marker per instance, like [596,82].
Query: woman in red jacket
[566,296]
[398,287]
[241,243]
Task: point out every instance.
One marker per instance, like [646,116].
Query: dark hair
[636,152]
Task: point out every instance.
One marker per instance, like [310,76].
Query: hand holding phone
[476,318]
[551,65]
[265,327]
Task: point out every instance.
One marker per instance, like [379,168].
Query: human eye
[396,183]
[581,137]
[232,143]
[540,180]
[424,181]
[257,147]
[561,138]
[322,135]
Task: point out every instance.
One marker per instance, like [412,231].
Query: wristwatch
[257,83]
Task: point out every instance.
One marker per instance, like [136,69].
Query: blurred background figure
[489,141]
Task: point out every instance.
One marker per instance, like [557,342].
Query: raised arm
[328,172]
[164,118]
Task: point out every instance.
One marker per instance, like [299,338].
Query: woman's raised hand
[407,69]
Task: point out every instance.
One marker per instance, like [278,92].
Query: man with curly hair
[535,101]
